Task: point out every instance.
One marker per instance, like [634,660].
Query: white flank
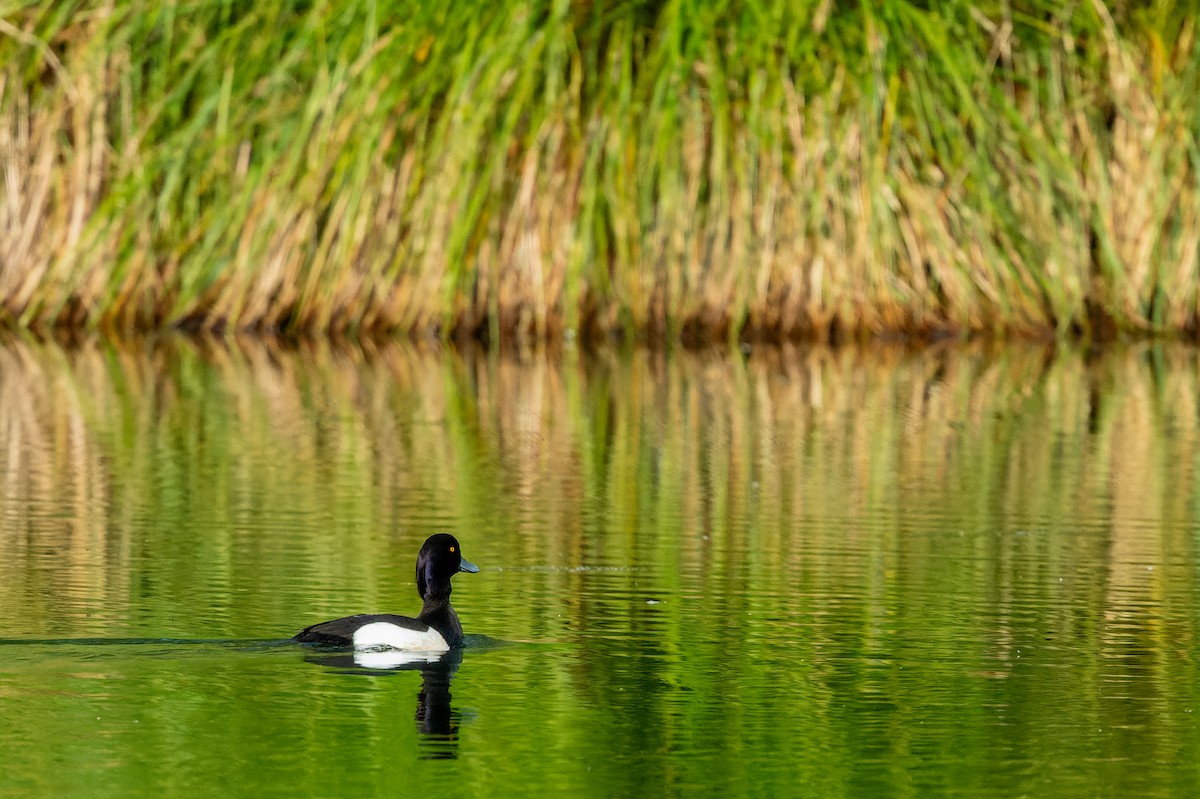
[382,635]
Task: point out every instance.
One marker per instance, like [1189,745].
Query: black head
[440,559]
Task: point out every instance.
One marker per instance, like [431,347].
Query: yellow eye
[451,549]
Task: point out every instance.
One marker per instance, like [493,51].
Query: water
[960,572]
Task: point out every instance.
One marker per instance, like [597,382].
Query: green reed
[762,168]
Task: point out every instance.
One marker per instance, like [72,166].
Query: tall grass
[758,168]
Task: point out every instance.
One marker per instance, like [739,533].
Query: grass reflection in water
[966,571]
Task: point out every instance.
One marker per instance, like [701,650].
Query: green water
[953,572]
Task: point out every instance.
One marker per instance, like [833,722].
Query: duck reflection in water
[436,719]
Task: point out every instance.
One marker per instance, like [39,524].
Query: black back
[340,632]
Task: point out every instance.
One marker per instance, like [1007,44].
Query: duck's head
[440,559]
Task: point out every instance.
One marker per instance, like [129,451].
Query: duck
[435,629]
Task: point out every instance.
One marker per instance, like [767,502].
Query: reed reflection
[924,503]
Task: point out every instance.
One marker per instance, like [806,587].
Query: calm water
[960,571]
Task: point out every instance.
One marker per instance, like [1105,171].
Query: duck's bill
[467,566]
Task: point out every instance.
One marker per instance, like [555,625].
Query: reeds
[762,169]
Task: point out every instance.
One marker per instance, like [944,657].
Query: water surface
[964,571]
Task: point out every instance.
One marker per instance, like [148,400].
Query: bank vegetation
[681,169]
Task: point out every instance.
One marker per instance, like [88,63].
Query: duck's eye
[451,549]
